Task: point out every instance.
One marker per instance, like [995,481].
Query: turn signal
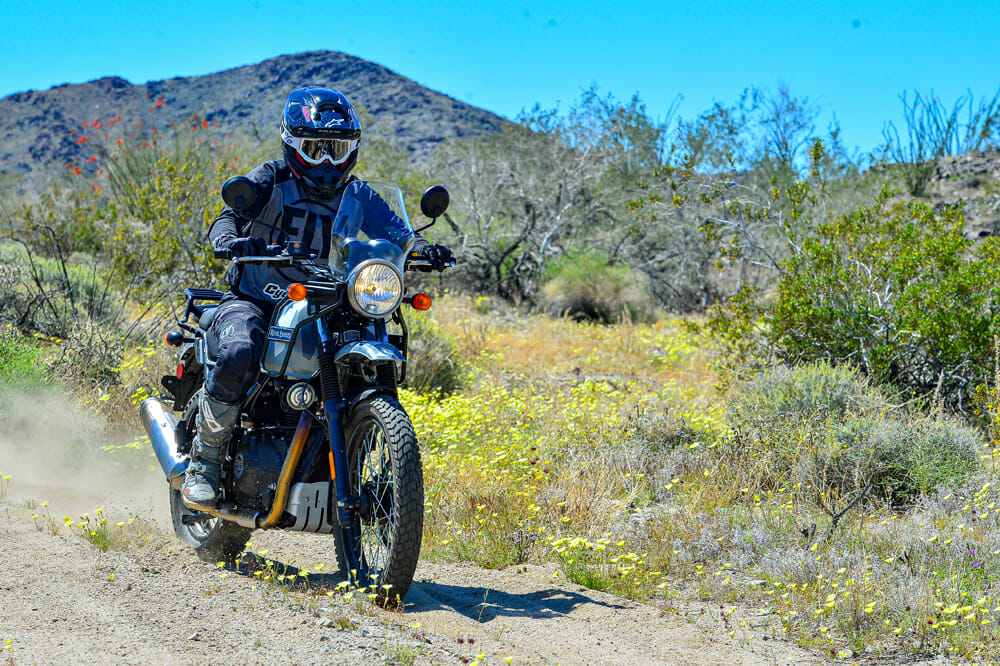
[297,291]
[422,301]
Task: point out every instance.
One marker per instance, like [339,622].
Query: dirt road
[153,601]
[149,600]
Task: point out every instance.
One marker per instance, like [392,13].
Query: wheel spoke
[374,479]
[384,541]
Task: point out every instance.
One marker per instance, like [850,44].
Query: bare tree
[520,198]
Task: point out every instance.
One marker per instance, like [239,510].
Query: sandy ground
[152,601]
[64,601]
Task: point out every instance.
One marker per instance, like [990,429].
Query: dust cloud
[53,452]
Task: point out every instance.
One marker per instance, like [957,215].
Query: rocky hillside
[36,126]
[972,180]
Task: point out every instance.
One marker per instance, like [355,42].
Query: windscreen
[370,211]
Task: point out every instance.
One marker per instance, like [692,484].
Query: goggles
[317,151]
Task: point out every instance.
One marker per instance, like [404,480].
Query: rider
[320,136]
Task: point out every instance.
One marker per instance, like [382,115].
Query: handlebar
[425,265]
[276,254]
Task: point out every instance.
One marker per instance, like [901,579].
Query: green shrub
[20,364]
[584,286]
[831,461]
[898,291]
[432,362]
[826,432]
[49,295]
[805,390]
[902,458]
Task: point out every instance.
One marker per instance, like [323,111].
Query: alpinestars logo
[273,291]
[210,421]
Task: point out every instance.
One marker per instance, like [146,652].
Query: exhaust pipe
[160,424]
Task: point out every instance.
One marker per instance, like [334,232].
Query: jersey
[285,212]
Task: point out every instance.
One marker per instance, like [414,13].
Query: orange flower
[76,170]
[204,123]
[92,158]
[81,139]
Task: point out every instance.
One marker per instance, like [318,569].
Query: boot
[215,422]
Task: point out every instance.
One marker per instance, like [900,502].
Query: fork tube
[333,405]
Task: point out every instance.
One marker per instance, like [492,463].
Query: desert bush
[873,459]
[900,458]
[583,285]
[16,304]
[787,129]
[91,355]
[827,432]
[20,364]
[897,291]
[698,237]
[433,363]
[805,390]
[933,131]
[50,295]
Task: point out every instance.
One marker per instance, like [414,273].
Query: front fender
[369,352]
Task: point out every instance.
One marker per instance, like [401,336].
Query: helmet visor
[317,151]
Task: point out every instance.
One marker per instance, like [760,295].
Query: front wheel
[380,547]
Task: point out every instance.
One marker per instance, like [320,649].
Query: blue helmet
[320,135]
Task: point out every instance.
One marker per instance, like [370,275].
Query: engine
[257,465]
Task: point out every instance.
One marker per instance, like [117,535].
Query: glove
[248,247]
[438,255]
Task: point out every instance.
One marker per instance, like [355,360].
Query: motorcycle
[323,444]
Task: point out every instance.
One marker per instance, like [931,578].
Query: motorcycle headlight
[375,289]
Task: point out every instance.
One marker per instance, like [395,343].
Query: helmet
[320,135]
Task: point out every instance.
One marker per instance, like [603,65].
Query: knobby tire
[384,462]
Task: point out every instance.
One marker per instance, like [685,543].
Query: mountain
[37,126]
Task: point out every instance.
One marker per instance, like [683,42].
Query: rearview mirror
[434,201]
[239,193]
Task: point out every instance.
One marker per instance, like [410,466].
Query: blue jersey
[289,213]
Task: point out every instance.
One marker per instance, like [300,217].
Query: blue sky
[852,58]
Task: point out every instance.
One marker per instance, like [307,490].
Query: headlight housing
[375,288]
